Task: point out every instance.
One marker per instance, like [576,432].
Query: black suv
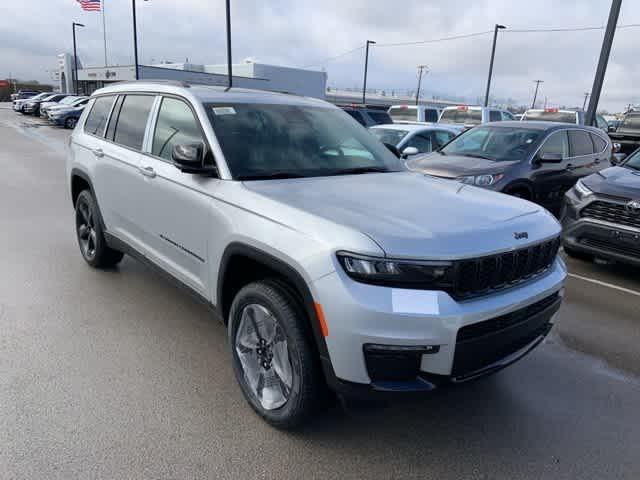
[601,217]
[537,161]
[368,116]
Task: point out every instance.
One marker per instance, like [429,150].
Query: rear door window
[132,120]
[556,143]
[580,143]
[97,118]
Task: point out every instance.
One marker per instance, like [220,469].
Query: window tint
[507,116]
[132,120]
[556,143]
[176,125]
[98,115]
[442,137]
[114,118]
[423,144]
[357,116]
[598,142]
[601,123]
[580,143]
[430,115]
[494,116]
[381,118]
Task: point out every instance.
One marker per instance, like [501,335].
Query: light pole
[366,66]
[604,60]
[229,72]
[493,54]
[135,38]
[420,68]
[75,56]
[584,104]
[535,94]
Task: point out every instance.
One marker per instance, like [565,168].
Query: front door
[551,180]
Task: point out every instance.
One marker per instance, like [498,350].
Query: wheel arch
[521,184]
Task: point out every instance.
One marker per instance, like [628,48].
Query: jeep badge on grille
[520,235]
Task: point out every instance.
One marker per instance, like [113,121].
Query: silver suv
[331,265]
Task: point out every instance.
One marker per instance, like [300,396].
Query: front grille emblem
[633,206]
[520,235]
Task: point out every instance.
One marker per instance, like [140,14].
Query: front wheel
[273,359]
[70,123]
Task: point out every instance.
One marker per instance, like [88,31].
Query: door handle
[147,171]
[98,152]
[571,167]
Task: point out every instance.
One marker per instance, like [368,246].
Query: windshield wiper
[359,170]
[271,176]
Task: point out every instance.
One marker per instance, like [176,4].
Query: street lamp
[535,94]
[421,68]
[366,65]
[229,72]
[75,56]
[135,38]
[493,54]
[584,104]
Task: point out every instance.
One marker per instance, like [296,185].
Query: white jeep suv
[331,265]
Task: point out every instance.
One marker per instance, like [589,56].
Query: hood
[615,181]
[410,215]
[453,166]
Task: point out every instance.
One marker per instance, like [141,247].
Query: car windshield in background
[262,141]
[380,118]
[464,116]
[389,135]
[633,161]
[500,144]
[67,100]
[401,114]
[630,122]
[562,117]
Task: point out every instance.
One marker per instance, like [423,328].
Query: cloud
[302,32]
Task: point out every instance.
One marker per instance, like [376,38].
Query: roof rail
[177,83]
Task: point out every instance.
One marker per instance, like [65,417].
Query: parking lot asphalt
[119,375]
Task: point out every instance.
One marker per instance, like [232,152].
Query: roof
[539,125]
[414,127]
[552,110]
[210,93]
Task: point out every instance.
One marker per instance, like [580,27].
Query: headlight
[481,180]
[433,275]
[581,190]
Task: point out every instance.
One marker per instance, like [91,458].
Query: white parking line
[605,284]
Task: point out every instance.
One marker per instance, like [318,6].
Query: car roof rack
[177,83]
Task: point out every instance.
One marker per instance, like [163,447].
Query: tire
[70,123]
[577,254]
[258,359]
[93,246]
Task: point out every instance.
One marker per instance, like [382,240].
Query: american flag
[90,5]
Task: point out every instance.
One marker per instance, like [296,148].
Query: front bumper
[601,238]
[384,340]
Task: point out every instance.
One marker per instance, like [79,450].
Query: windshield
[500,144]
[562,117]
[67,100]
[390,135]
[268,141]
[633,161]
[464,116]
[404,114]
[630,122]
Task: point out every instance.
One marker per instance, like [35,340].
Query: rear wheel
[93,245]
[70,123]
[273,359]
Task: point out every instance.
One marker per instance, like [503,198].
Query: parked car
[413,139]
[318,262]
[32,107]
[68,100]
[22,94]
[538,161]
[602,214]
[367,116]
[628,133]
[20,104]
[68,116]
[414,113]
[564,116]
[472,116]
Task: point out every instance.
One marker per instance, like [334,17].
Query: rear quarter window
[598,143]
[580,143]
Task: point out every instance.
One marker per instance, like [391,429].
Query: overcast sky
[302,32]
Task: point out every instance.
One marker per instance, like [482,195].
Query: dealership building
[310,83]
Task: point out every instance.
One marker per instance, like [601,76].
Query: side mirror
[618,158]
[617,147]
[407,152]
[550,157]
[189,158]
[393,149]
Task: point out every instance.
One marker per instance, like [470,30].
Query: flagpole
[104,35]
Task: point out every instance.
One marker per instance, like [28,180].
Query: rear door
[120,169]
[583,160]
[178,218]
[552,180]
